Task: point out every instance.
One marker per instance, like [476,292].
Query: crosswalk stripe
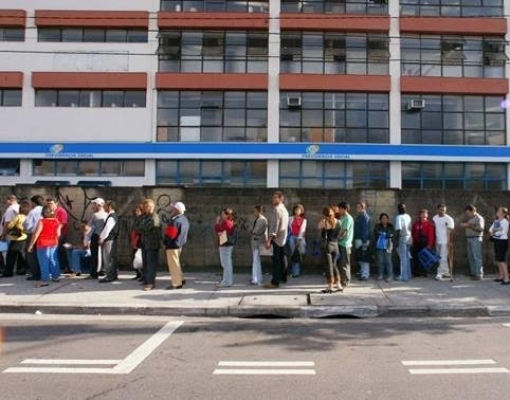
[266,364]
[69,362]
[261,371]
[436,371]
[448,362]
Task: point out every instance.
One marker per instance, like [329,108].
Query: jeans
[48,262]
[256,267]
[330,256]
[384,264]
[293,242]
[226,264]
[404,253]
[278,264]
[16,258]
[75,259]
[364,269]
[474,250]
[32,262]
[150,260]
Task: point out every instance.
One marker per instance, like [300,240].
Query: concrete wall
[203,205]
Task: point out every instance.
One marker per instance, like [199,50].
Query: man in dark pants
[108,243]
[278,231]
[33,217]
[96,227]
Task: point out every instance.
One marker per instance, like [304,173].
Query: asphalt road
[87,357]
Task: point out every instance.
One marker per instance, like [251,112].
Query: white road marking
[145,349]
[69,362]
[507,325]
[124,366]
[266,364]
[248,371]
[449,362]
[436,371]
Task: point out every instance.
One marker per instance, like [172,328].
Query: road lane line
[266,364]
[56,370]
[69,362]
[145,349]
[249,371]
[437,371]
[449,362]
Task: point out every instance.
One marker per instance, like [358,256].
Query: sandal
[327,291]
[42,284]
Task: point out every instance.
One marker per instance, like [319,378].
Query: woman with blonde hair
[225,229]
[499,236]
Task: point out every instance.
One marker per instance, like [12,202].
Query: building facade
[365,94]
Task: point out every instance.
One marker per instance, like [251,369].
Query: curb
[307,312]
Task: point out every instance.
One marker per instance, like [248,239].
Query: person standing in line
[403,239]
[258,238]
[108,243]
[499,235]
[135,239]
[96,224]
[225,229]
[45,238]
[383,235]
[62,217]
[474,227]
[149,226]
[330,229]
[444,225]
[176,236]
[424,235]
[296,239]
[33,217]
[278,231]
[17,238]
[362,240]
[345,243]
[12,209]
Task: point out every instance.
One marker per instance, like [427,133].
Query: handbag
[264,251]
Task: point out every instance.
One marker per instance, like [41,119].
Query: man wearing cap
[96,227]
[176,235]
[33,217]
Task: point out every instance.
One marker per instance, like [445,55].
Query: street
[136,357]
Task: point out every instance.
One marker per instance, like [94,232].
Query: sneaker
[438,277]
[269,285]
[379,278]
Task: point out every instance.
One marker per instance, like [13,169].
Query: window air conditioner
[416,105]
[293,101]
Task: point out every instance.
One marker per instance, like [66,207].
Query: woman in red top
[296,239]
[225,229]
[424,235]
[45,237]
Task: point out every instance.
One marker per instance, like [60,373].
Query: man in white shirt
[444,225]
[33,217]
[404,240]
[11,210]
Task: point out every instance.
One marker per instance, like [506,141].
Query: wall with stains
[203,205]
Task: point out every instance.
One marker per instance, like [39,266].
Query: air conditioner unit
[293,101]
[415,105]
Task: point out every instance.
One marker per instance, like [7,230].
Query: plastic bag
[137,259]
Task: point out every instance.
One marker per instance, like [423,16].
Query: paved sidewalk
[300,297]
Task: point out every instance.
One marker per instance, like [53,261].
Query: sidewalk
[299,298]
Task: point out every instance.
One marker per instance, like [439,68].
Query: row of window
[190,116]
[334,117]
[333,174]
[10,97]
[453,56]
[92,35]
[89,168]
[295,174]
[12,34]
[447,8]
[90,98]
[210,51]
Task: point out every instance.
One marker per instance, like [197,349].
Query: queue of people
[34,231]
